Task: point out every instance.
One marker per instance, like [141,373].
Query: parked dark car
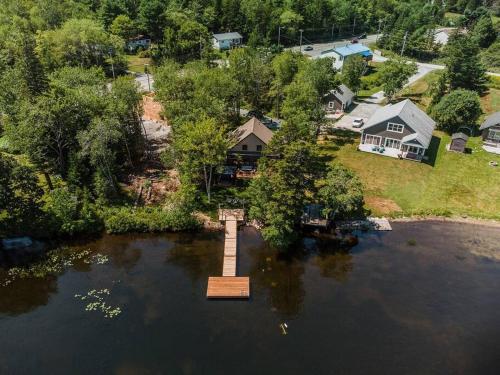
[308,48]
[255,113]
[355,41]
[362,36]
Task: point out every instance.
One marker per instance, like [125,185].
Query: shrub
[147,219]
[144,53]
[71,213]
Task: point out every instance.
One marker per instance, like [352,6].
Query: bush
[71,213]
[147,219]
[144,54]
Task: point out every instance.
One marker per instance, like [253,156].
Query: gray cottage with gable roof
[399,130]
[490,130]
[339,99]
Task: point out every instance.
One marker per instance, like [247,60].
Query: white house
[341,54]
[139,41]
[227,40]
[441,36]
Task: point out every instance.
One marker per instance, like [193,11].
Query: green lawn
[136,64]
[456,185]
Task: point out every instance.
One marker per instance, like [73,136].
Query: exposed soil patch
[151,185]
[152,109]
[382,206]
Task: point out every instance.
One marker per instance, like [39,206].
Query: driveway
[362,110]
[142,80]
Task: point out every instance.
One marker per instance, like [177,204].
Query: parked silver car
[358,123]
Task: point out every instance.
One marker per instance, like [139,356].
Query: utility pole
[146,70]
[379,27]
[404,43]
[354,26]
[333,29]
[112,63]
[300,48]
[279,37]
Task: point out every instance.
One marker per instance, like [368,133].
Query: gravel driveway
[362,110]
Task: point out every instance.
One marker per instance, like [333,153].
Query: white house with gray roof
[490,130]
[225,41]
[399,130]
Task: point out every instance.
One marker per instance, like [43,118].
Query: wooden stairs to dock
[229,285]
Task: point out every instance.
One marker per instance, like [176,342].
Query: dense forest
[70,116]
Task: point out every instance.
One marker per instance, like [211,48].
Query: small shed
[458,142]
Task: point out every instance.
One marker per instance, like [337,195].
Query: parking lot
[362,110]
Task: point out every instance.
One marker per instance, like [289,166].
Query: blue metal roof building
[341,53]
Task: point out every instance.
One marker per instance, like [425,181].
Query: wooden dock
[229,286]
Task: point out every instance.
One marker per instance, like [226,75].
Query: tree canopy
[459,109]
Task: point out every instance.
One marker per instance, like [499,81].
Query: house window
[392,143]
[244,147]
[259,147]
[494,135]
[392,127]
[372,139]
[331,105]
[414,150]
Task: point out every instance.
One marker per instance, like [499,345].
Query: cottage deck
[237,214]
[229,286]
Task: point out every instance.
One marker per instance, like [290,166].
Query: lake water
[389,305]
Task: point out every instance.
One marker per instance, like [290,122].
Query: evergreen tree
[463,65]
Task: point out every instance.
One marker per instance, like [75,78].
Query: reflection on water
[384,306]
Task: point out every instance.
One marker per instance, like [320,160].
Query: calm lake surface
[384,307]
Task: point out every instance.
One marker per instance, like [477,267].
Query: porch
[491,146]
[389,151]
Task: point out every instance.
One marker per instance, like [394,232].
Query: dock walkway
[229,285]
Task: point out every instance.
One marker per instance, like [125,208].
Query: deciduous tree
[459,109]
[341,192]
[394,74]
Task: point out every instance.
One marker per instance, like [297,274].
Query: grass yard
[491,101]
[457,184]
[136,64]
[418,92]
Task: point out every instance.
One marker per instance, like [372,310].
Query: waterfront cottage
[251,139]
[339,99]
[399,130]
[227,40]
[490,130]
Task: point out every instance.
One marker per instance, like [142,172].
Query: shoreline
[214,226]
[453,219]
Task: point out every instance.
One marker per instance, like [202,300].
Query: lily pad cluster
[98,303]
[54,263]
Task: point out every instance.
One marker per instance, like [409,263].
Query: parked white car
[357,123]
